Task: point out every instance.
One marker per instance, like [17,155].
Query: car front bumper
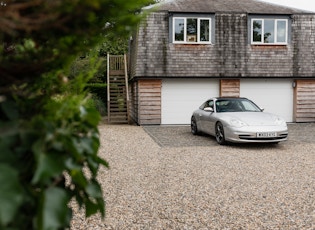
[250,134]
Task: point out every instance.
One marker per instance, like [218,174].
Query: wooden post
[108,90]
[127,87]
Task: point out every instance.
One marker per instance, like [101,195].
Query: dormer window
[269,31]
[191,30]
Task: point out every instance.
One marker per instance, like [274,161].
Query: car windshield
[236,105]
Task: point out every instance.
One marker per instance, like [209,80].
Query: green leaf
[95,201]
[95,142]
[78,178]
[8,129]
[38,147]
[48,166]
[54,211]
[92,116]
[101,205]
[94,190]
[6,154]
[10,109]
[87,145]
[75,147]
[72,165]
[91,208]
[11,194]
[102,162]
[93,165]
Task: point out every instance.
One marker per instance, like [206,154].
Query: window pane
[257,30]
[269,31]
[191,30]
[179,25]
[281,31]
[204,30]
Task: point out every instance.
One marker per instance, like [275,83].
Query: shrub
[49,138]
[99,89]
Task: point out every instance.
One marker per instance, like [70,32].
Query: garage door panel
[181,97]
[275,96]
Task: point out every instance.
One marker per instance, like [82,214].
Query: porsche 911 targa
[238,120]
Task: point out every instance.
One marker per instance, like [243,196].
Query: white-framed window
[268,31]
[191,30]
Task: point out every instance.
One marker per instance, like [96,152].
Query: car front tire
[219,133]
[193,126]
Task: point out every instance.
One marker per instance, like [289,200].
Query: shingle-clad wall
[230,56]
[303,37]
[150,45]
[231,45]
[156,56]
[270,61]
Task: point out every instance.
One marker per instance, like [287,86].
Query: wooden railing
[117,79]
[116,62]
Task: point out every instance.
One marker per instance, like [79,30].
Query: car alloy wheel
[219,133]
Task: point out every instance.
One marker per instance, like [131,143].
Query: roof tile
[215,6]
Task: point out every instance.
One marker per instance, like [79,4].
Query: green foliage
[59,31]
[113,45]
[98,89]
[49,137]
[83,65]
[99,104]
[48,160]
[99,96]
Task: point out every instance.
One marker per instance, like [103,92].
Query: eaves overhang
[226,6]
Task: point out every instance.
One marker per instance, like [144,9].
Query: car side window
[203,105]
[207,104]
[210,104]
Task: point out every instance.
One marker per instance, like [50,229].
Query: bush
[99,96]
[99,89]
[49,138]
[83,65]
[40,153]
[99,105]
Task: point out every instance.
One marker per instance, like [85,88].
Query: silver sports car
[238,120]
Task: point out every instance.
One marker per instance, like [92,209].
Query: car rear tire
[193,126]
[219,133]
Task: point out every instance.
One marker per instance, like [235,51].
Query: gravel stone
[174,180]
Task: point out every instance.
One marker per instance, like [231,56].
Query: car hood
[252,118]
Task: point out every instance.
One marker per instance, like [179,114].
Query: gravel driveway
[156,184]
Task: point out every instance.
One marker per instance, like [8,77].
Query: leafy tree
[111,44]
[48,132]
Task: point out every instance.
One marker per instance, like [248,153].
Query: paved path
[180,136]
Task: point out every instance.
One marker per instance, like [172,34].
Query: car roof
[229,98]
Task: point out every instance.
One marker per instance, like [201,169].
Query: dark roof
[214,6]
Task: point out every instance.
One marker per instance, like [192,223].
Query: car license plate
[264,135]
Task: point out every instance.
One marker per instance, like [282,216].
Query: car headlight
[237,123]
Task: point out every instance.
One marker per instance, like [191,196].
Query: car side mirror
[208,109]
[262,109]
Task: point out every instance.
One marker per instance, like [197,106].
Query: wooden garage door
[305,101]
[181,97]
